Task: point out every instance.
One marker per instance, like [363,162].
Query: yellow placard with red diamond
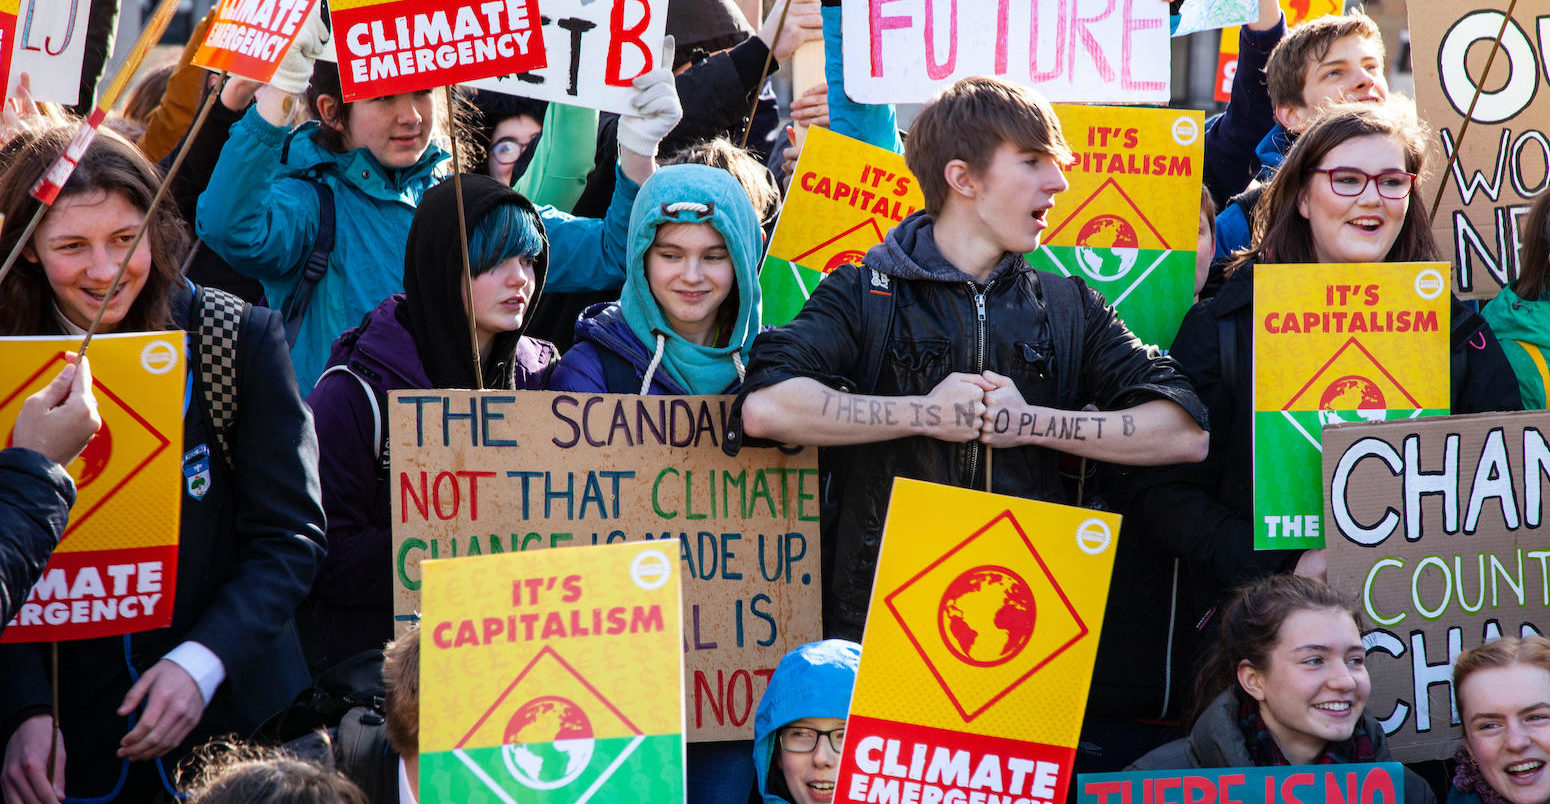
[981,639]
[115,567]
[553,675]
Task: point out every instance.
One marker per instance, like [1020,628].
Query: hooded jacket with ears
[814,680]
[694,368]
[415,340]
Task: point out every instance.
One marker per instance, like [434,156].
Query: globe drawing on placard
[548,743]
[843,258]
[1106,247]
[986,616]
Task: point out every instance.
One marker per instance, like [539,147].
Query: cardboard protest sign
[249,39]
[845,195]
[115,569]
[1336,343]
[1077,51]
[596,50]
[525,694]
[1296,11]
[390,46]
[979,648]
[1208,15]
[1128,223]
[50,46]
[487,472]
[1368,783]
[1501,165]
[48,185]
[1435,527]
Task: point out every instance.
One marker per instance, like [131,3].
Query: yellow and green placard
[1336,343]
[526,693]
[1129,221]
[844,196]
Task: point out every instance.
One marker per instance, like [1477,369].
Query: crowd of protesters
[620,253]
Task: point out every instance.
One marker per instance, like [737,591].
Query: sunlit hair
[969,120]
[401,678]
[110,165]
[1251,626]
[1286,72]
[228,772]
[1504,652]
[1283,235]
[147,93]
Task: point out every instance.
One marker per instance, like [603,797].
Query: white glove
[656,107]
[295,68]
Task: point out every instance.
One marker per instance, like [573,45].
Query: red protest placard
[249,39]
[390,46]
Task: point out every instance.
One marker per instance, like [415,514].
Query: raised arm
[802,410]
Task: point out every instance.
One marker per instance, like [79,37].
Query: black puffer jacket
[1201,513]
[35,499]
[1215,741]
[936,331]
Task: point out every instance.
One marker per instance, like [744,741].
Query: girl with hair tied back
[1503,694]
[1286,684]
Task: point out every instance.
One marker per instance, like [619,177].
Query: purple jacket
[600,329]
[353,595]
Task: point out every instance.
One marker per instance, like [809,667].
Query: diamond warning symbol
[986,616]
[1109,218]
[1351,379]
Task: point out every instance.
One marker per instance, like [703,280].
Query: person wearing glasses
[689,310]
[1345,194]
[799,730]
[1520,314]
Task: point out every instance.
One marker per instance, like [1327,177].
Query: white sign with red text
[1074,51]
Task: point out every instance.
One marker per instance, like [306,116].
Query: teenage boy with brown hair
[945,343]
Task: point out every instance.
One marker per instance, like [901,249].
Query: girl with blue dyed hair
[417,339]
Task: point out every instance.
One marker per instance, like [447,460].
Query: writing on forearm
[1064,426]
[884,412]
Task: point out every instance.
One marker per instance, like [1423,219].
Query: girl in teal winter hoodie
[690,307]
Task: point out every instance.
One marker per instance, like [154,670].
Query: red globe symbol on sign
[1352,392]
[1107,231]
[847,257]
[548,742]
[88,467]
[986,616]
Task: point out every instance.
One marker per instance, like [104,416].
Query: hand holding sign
[27,775]
[61,419]
[295,69]
[655,109]
[789,24]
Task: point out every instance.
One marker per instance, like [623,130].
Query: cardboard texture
[844,196]
[1128,223]
[595,50]
[1296,11]
[1435,527]
[523,694]
[1336,343]
[249,40]
[386,47]
[115,569]
[1371,783]
[1502,159]
[48,185]
[1077,51]
[485,472]
[979,647]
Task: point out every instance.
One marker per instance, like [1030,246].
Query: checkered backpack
[218,320]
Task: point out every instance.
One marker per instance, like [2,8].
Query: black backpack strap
[877,310]
[1065,308]
[219,323]
[362,752]
[314,266]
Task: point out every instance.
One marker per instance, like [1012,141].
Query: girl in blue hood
[803,714]
[690,306]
